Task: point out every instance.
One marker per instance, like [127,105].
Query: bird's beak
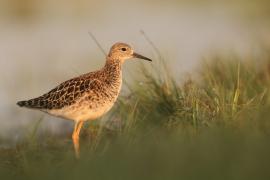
[136,55]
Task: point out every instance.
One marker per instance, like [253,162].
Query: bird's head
[122,52]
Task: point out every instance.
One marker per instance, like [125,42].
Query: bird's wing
[63,95]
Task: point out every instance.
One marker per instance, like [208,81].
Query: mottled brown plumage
[88,96]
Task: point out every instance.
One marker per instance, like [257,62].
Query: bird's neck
[113,70]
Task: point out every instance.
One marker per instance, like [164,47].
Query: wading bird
[88,96]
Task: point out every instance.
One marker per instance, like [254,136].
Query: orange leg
[76,138]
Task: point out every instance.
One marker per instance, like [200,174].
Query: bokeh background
[43,43]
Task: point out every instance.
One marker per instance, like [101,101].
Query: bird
[88,96]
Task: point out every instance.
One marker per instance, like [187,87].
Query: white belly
[82,112]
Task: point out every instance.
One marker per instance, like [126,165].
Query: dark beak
[136,55]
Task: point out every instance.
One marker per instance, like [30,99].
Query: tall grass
[230,92]
[215,126]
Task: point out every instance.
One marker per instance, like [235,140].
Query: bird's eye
[123,49]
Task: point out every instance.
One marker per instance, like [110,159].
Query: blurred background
[43,43]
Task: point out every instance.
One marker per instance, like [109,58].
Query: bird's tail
[23,103]
[32,103]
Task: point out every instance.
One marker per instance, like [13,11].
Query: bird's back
[64,94]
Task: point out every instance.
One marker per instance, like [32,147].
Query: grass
[215,126]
